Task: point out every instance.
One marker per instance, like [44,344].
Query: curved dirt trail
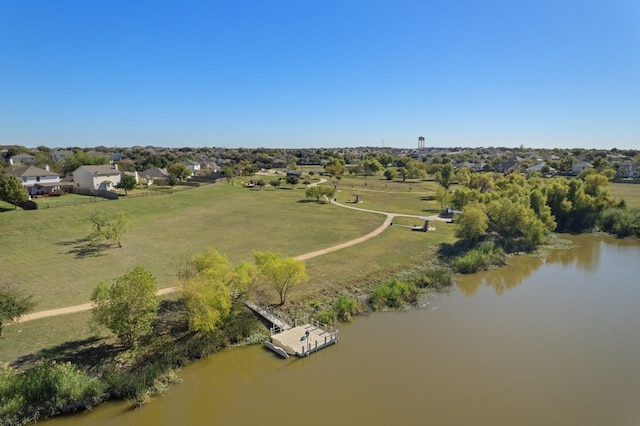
[375,232]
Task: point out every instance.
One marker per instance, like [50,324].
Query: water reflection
[584,253]
[501,279]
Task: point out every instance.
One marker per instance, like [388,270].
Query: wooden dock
[299,338]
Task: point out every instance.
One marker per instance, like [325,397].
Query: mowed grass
[42,249]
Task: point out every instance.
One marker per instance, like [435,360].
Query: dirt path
[375,232]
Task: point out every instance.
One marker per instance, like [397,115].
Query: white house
[61,154]
[103,178]
[629,170]
[193,166]
[578,167]
[22,158]
[37,181]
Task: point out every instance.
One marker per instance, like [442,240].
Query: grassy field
[42,250]
[628,191]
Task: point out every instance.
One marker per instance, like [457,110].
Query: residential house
[154,176]
[539,167]
[38,181]
[507,166]
[578,167]
[104,178]
[61,154]
[193,166]
[629,170]
[22,159]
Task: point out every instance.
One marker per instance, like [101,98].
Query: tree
[127,182]
[371,166]
[13,305]
[172,180]
[335,166]
[318,192]
[390,174]
[283,273]
[445,175]
[473,223]
[210,285]
[12,191]
[463,176]
[443,196]
[108,226]
[179,170]
[293,180]
[127,307]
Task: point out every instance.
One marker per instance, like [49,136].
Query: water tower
[421,142]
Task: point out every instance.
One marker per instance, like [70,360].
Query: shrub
[345,308]
[393,294]
[621,222]
[46,389]
[479,258]
[435,278]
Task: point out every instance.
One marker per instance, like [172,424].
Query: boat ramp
[300,338]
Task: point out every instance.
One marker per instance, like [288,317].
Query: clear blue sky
[332,73]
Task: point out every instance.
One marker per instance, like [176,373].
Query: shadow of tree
[83,353]
[84,247]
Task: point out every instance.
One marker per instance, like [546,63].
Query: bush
[479,258]
[621,222]
[393,294]
[346,308]
[435,278]
[46,390]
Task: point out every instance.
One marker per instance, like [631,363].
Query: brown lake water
[543,341]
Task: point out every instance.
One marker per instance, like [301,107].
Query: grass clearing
[630,192]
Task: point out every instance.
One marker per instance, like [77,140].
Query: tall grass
[45,390]
[479,258]
[394,294]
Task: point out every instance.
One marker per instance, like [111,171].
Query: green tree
[172,180]
[318,192]
[463,176]
[473,223]
[127,182]
[445,175]
[282,273]
[13,305]
[293,180]
[127,307]
[12,191]
[335,166]
[209,286]
[390,174]
[179,170]
[371,166]
[106,226]
[443,196]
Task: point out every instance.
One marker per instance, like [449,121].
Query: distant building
[22,159]
[578,167]
[104,178]
[37,181]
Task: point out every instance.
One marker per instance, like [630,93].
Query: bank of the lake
[544,340]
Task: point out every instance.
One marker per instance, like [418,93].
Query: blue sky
[294,74]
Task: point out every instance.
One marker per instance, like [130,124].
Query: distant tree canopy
[81,158]
[525,211]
